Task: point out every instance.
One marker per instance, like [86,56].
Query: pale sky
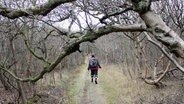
[65,24]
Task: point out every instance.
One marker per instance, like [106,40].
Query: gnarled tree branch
[75,44]
[164,34]
[38,10]
[168,56]
[26,41]
[160,30]
[166,53]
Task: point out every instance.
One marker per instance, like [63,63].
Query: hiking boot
[96,82]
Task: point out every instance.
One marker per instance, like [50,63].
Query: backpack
[93,63]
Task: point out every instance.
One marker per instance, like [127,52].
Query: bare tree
[150,22]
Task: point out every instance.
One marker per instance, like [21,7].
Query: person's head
[92,55]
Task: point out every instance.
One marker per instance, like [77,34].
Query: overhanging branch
[28,46]
[38,10]
[165,53]
[156,81]
[74,46]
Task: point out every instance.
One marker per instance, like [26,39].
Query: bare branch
[156,65]
[154,0]
[163,33]
[57,30]
[155,81]
[24,33]
[13,75]
[38,10]
[165,53]
[75,44]
[114,14]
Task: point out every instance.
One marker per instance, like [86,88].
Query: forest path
[116,87]
[92,93]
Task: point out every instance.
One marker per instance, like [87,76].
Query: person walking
[93,66]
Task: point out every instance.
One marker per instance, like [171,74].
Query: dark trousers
[94,73]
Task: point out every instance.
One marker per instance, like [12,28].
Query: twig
[114,14]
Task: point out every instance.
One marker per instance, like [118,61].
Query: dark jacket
[91,68]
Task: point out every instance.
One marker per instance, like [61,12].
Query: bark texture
[163,33]
[38,10]
[159,29]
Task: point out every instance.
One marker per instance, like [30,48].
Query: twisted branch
[38,10]
[168,56]
[74,46]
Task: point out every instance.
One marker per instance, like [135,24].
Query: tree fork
[160,30]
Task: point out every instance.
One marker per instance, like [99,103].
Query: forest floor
[92,93]
[115,87]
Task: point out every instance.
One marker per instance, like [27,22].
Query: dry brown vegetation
[120,89]
[45,43]
[115,86]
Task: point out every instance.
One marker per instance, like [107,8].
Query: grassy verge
[66,86]
[114,85]
[118,89]
[111,80]
[76,84]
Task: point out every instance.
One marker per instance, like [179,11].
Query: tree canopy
[113,15]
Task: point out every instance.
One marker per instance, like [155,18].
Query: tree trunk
[163,33]
[20,88]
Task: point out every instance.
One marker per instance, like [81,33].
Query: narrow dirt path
[92,93]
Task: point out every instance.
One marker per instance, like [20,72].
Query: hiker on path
[93,66]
